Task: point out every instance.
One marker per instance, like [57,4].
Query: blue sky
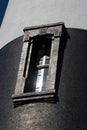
[3,6]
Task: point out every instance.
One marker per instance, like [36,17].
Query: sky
[17,14]
[3,6]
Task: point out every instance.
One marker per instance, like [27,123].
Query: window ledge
[33,97]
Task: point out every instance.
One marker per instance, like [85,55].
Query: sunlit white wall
[22,13]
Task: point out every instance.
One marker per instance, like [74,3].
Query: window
[38,64]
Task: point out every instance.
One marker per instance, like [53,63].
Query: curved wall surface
[70,112]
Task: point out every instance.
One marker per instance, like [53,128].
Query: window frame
[54,31]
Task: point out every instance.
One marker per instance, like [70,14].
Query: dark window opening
[39,65]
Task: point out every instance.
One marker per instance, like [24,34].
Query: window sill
[32,97]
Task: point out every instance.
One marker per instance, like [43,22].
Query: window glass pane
[39,81]
[44,79]
[42,75]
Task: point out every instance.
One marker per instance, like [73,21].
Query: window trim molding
[55,32]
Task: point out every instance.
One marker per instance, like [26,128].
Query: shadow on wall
[3,7]
[62,47]
[9,63]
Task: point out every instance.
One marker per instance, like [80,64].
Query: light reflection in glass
[42,74]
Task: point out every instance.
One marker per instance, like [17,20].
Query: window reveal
[39,65]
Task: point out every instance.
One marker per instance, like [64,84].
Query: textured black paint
[70,113]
